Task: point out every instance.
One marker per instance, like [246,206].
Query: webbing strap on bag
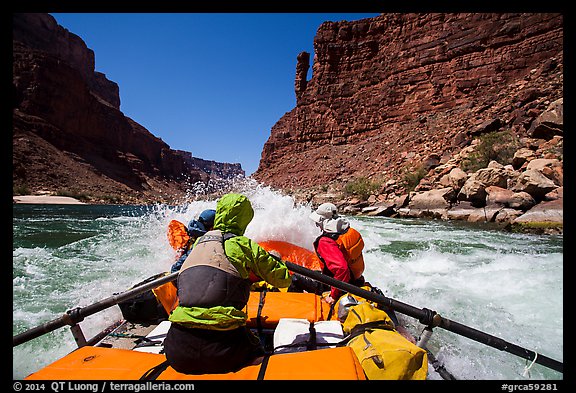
[312,344]
[263,367]
[259,313]
[154,372]
[363,327]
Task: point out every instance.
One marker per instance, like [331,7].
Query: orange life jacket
[351,244]
[178,235]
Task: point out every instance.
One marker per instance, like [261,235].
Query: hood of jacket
[196,229]
[233,214]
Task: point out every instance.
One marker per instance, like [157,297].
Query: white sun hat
[323,212]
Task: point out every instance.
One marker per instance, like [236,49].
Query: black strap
[228,235]
[312,345]
[259,327]
[331,311]
[263,367]
[154,372]
[147,343]
[364,327]
[259,313]
[361,328]
[210,237]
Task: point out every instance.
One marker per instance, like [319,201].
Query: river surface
[507,285]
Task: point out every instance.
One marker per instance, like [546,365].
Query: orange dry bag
[167,295]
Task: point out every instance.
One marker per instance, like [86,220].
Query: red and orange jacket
[341,255]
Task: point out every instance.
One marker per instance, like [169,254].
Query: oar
[431,318]
[72,317]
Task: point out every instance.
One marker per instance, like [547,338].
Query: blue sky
[211,84]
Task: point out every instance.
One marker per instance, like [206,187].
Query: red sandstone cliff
[392,93]
[69,135]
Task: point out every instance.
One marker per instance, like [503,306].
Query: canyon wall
[70,136]
[392,93]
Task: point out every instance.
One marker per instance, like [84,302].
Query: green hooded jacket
[233,214]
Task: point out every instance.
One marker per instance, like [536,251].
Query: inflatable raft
[294,312]
[301,335]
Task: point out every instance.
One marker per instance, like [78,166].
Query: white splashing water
[504,284]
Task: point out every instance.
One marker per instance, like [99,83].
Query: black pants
[203,351]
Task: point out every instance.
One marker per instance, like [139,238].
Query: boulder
[508,198]
[522,156]
[550,122]
[381,211]
[473,191]
[432,200]
[546,217]
[465,211]
[402,201]
[430,162]
[552,168]
[507,215]
[555,194]
[494,175]
[547,211]
[534,183]
[455,179]
[460,211]
[484,214]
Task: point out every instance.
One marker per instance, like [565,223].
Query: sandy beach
[46,199]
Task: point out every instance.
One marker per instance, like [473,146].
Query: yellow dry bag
[382,351]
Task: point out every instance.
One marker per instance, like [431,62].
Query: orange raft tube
[96,363]
[293,253]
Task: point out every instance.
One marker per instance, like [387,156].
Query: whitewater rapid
[508,285]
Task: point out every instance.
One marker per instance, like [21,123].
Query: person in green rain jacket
[208,333]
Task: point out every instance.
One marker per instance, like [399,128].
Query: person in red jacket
[339,247]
